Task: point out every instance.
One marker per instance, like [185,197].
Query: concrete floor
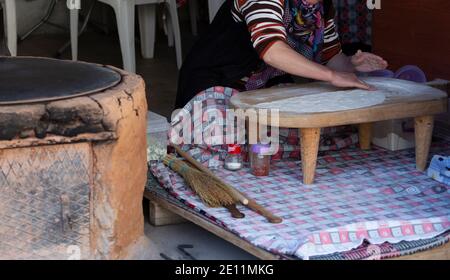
[160,75]
[161,243]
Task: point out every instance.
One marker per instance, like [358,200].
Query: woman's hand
[348,80]
[367,62]
[281,56]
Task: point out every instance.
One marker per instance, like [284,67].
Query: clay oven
[72,159]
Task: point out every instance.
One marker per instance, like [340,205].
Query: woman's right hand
[348,80]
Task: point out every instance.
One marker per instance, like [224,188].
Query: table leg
[365,136]
[423,134]
[309,143]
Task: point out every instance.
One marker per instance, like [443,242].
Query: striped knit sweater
[264,19]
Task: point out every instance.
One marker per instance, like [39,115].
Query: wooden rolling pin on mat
[250,203]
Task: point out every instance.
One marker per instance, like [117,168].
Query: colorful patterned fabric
[366,251]
[387,250]
[217,99]
[354,21]
[359,196]
[305,27]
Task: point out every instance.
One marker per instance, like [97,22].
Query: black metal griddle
[25,80]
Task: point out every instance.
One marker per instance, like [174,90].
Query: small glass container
[260,160]
[233,160]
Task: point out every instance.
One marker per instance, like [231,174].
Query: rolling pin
[250,203]
[235,213]
[253,205]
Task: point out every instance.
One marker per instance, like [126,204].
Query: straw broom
[208,189]
[231,191]
[235,194]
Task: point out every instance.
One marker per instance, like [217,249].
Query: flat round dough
[327,102]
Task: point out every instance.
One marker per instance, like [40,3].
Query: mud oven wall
[72,175]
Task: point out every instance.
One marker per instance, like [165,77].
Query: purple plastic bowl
[411,73]
[382,73]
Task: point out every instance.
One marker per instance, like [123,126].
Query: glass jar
[260,160]
[233,160]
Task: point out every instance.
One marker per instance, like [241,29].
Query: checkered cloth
[363,252]
[372,196]
[214,102]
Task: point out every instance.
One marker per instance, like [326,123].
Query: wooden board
[159,216]
[439,253]
[423,101]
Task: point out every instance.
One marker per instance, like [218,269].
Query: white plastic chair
[10,17]
[213,7]
[125,15]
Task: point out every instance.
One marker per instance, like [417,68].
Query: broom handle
[250,203]
[199,166]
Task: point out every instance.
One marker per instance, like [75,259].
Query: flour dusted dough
[344,100]
[327,102]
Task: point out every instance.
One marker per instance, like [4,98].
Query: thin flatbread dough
[335,101]
[327,102]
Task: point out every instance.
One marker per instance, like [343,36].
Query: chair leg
[125,15]
[147,27]
[11,23]
[74,15]
[193,11]
[176,30]
[213,7]
[5,25]
[169,31]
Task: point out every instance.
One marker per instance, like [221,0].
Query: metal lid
[261,149]
[26,80]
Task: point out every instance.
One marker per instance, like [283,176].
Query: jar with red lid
[233,160]
[260,160]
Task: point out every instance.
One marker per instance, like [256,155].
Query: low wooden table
[404,100]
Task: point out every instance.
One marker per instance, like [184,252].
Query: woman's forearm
[341,62]
[283,57]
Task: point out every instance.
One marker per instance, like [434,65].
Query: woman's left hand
[367,62]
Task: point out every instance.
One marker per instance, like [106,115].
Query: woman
[254,44]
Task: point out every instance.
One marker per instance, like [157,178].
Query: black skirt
[221,56]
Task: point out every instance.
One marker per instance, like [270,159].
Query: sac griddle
[25,80]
